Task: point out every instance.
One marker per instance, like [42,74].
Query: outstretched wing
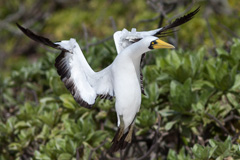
[84,84]
[125,38]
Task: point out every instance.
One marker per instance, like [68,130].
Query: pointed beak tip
[169,46]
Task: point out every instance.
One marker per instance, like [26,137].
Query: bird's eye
[151,45]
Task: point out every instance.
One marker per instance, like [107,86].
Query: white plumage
[122,79]
[88,84]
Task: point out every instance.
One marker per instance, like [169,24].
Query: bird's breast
[126,86]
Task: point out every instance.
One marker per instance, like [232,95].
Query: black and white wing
[125,38]
[84,84]
[164,31]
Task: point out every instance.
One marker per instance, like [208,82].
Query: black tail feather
[118,145]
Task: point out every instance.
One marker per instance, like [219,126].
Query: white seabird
[122,79]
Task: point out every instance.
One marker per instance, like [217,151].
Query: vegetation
[191,109]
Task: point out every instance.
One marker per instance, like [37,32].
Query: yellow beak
[161,44]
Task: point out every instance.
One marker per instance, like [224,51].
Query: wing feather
[84,84]
[125,38]
[176,23]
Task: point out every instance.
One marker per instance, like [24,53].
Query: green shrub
[190,111]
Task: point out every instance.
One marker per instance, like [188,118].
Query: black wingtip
[176,23]
[18,25]
[38,38]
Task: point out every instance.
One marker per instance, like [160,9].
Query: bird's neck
[135,51]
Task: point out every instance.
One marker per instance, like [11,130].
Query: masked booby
[122,79]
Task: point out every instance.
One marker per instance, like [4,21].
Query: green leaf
[166,112]
[14,146]
[222,148]
[152,92]
[200,84]
[221,51]
[65,156]
[46,100]
[22,124]
[44,133]
[41,156]
[181,95]
[175,59]
[68,101]
[169,125]
[10,124]
[235,49]
[101,115]
[236,85]
[172,155]
[202,153]
[147,118]
[143,131]
[211,69]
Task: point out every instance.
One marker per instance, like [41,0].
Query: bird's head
[151,42]
[146,44]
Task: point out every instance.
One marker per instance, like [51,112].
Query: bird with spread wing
[122,79]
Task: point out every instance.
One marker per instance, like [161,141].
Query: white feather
[88,83]
[125,38]
[120,79]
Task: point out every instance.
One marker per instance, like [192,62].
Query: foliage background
[191,110]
